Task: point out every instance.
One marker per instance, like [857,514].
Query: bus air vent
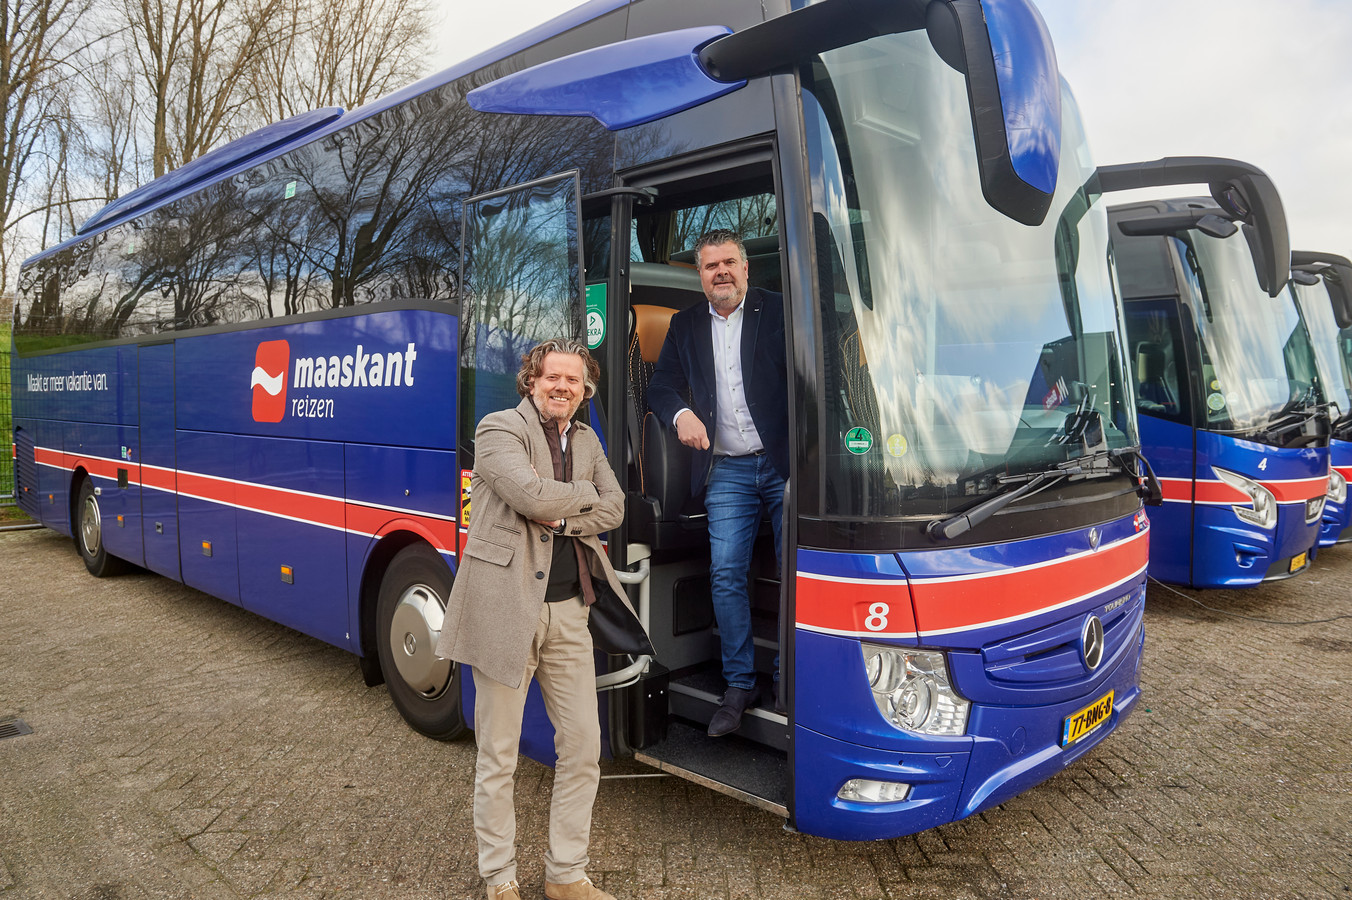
[26,474]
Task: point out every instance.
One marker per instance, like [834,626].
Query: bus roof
[178,183]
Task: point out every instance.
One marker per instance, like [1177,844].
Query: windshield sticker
[1216,402]
[858,440]
[596,315]
[464,497]
[896,445]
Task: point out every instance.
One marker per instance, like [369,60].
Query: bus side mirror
[1172,223]
[1338,280]
[1337,274]
[1244,192]
[1014,91]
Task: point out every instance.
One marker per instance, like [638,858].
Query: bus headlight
[1264,511]
[1337,487]
[913,691]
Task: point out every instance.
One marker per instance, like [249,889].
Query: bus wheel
[425,688]
[89,535]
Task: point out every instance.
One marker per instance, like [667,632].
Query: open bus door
[521,283]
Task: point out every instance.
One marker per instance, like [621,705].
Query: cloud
[1255,80]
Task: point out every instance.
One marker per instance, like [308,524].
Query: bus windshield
[958,344]
[1335,376]
[1257,360]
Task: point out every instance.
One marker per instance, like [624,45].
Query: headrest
[651,324]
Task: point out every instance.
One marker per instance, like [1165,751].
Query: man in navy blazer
[729,355]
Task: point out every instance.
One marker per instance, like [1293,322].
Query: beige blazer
[504,566]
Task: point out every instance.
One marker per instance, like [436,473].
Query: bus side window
[1156,341]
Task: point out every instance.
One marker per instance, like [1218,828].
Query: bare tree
[340,53]
[42,38]
[195,56]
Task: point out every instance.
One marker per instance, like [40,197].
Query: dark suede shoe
[729,716]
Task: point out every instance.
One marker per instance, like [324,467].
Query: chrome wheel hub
[91,526]
[414,631]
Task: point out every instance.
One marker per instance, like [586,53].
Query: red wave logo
[268,383]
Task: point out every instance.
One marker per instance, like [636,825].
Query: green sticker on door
[858,440]
[596,315]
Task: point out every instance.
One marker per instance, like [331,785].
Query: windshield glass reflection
[1257,361]
[1330,352]
[958,343]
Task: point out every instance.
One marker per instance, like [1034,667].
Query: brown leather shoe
[577,890]
[508,890]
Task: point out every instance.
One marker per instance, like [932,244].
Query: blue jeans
[740,488]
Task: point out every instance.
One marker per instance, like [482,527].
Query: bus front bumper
[1007,751]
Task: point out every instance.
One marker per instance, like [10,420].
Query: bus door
[1164,404]
[653,262]
[158,466]
[522,283]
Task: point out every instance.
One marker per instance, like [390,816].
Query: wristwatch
[558,529]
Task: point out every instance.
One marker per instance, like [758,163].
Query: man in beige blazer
[519,605]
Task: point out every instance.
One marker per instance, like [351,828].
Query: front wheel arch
[410,599]
[86,527]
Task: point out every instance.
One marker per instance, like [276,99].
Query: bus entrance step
[730,765]
[696,696]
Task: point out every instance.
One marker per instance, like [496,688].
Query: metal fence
[6,422]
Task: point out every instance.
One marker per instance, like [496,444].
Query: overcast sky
[1265,81]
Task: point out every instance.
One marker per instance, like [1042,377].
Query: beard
[554,414]
[725,296]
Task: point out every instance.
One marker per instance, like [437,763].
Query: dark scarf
[563,471]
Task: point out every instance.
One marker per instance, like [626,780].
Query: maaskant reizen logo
[271,363]
[359,369]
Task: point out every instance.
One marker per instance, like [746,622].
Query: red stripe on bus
[881,608]
[313,509]
[957,604]
[1295,491]
[378,522]
[1298,491]
[160,479]
[1220,492]
[1177,489]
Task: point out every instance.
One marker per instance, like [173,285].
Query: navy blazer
[687,362]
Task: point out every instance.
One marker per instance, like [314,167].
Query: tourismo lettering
[358,369]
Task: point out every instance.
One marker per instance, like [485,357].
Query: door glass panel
[523,285]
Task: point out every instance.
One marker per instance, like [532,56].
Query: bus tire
[412,601]
[89,535]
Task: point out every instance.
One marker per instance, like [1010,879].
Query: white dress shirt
[734,434]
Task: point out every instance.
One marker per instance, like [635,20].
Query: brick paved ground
[184,748]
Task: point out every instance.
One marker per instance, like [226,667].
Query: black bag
[614,629]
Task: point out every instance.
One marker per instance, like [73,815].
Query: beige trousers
[561,661]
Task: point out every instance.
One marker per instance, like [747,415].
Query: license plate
[1086,720]
[1298,561]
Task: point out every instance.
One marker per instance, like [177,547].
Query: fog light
[912,690]
[1264,510]
[866,790]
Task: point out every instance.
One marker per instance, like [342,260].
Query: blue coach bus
[1322,285]
[260,374]
[1231,413]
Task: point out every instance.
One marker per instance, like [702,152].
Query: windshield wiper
[1295,415]
[1099,463]
[1342,426]
[947,529]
